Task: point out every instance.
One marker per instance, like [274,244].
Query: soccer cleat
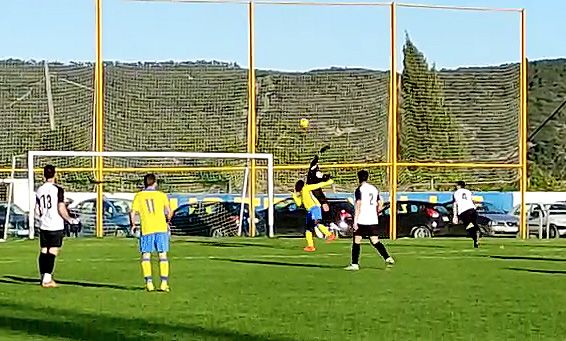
[50,284]
[309,249]
[149,286]
[164,287]
[331,238]
[390,261]
[352,267]
[476,244]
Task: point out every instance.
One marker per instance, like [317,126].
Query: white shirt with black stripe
[368,195]
[47,199]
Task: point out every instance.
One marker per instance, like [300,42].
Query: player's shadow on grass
[276,263]
[215,243]
[540,271]
[528,258]
[76,325]
[35,281]
[412,246]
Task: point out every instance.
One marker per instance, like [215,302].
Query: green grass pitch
[242,289]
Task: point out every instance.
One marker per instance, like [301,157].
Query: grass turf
[238,289]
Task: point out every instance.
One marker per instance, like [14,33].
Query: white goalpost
[33,156]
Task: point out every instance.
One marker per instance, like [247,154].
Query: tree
[428,130]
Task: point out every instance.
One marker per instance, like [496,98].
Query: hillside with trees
[467,114]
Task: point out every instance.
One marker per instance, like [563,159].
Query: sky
[289,38]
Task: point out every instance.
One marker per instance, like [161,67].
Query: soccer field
[241,289]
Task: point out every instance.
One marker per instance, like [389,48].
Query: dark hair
[149,180]
[299,185]
[461,184]
[363,175]
[49,172]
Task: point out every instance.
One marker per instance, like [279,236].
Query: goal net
[207,191]
[459,98]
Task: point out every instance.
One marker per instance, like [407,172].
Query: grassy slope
[270,290]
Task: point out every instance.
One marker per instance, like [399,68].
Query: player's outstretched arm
[319,185]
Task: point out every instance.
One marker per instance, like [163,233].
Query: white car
[553,215]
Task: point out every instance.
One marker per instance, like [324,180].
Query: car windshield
[17,210]
[489,208]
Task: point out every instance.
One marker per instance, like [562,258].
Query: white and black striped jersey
[368,195]
[47,199]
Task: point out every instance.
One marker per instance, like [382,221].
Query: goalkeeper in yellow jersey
[153,208]
[304,196]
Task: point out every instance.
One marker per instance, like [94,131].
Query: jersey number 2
[150,205]
[371,199]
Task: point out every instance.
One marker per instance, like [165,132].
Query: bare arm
[64,213]
[133,218]
[357,208]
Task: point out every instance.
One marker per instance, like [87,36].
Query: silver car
[543,215]
[500,223]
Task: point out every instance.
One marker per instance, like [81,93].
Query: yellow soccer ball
[304,123]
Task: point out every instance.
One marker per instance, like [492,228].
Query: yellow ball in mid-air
[304,123]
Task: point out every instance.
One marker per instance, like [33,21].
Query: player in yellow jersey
[303,196]
[153,208]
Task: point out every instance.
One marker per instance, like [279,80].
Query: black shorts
[469,217]
[367,230]
[51,238]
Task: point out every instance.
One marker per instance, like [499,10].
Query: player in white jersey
[465,211]
[368,205]
[52,212]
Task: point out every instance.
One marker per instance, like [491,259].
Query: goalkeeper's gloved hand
[74,221]
[323,149]
[325,177]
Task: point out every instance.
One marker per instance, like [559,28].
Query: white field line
[452,254]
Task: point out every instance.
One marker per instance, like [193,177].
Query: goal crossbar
[189,155]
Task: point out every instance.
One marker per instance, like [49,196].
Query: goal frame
[188,155]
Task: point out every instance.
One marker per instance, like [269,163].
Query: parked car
[290,220]
[500,223]
[116,216]
[18,225]
[209,219]
[459,230]
[415,219]
[553,215]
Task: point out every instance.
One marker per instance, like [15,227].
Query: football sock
[381,249]
[324,230]
[146,268]
[308,237]
[356,248]
[41,263]
[49,263]
[48,266]
[164,269]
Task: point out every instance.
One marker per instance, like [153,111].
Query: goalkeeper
[315,176]
[303,196]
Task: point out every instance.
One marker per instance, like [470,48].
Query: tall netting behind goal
[46,78]
[221,210]
[166,88]
[459,98]
[335,75]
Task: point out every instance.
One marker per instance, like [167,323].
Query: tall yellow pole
[99,104]
[393,127]
[523,148]
[252,114]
